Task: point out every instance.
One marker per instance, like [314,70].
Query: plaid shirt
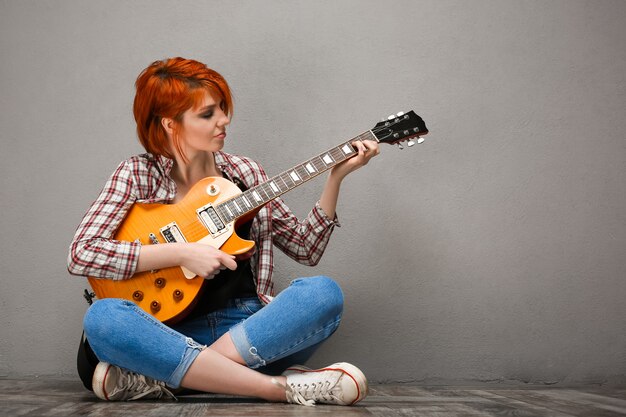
[146,178]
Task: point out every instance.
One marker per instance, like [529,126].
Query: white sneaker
[339,384]
[112,383]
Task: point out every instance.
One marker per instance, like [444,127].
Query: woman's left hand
[367,150]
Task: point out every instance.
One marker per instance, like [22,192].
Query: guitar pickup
[211,220]
[171,233]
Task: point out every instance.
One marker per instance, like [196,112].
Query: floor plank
[62,398]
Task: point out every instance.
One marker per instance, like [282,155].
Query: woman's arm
[93,251]
[328,201]
[205,261]
[305,241]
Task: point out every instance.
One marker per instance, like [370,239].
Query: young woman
[239,339]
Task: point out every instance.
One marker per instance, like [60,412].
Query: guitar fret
[318,164]
[282,178]
[222,213]
[246,201]
[267,189]
[288,180]
[263,193]
[338,154]
[302,173]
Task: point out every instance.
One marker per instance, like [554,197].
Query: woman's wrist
[178,252]
[335,178]
[161,256]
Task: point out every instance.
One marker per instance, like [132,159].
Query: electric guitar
[210,213]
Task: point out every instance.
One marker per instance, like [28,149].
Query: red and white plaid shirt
[146,178]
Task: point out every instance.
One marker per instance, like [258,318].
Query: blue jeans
[284,332]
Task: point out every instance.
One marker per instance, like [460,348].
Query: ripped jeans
[269,338]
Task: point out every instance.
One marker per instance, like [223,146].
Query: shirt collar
[165,163]
[220,160]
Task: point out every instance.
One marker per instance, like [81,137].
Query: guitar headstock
[399,128]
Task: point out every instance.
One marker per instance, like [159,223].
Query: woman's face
[204,126]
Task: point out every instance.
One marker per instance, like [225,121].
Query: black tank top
[227,284]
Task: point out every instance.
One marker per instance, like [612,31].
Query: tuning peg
[420,141]
[400,146]
[391,117]
[410,143]
[401,113]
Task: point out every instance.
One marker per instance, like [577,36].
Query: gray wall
[493,252]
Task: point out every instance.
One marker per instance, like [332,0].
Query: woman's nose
[224,119]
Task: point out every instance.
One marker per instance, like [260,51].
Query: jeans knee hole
[193,344]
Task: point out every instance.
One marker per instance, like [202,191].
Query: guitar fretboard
[278,185]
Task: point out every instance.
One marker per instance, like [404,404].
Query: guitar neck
[255,197]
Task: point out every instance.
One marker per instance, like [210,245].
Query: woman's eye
[207,115]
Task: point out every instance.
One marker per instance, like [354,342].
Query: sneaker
[339,384]
[112,383]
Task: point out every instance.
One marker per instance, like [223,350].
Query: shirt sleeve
[275,224]
[93,251]
[302,240]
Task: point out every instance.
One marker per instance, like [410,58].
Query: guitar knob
[410,143]
[178,295]
[155,306]
[159,282]
[400,146]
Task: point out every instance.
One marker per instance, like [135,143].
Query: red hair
[168,88]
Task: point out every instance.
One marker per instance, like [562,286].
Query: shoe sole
[352,371]
[99,378]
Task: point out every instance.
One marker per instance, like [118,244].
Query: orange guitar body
[170,293]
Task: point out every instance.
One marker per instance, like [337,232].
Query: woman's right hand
[202,260]
[206,261]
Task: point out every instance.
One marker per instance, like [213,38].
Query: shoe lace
[138,386]
[307,394]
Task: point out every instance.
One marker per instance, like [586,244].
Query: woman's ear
[168,125]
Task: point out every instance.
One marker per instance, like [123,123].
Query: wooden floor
[62,398]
